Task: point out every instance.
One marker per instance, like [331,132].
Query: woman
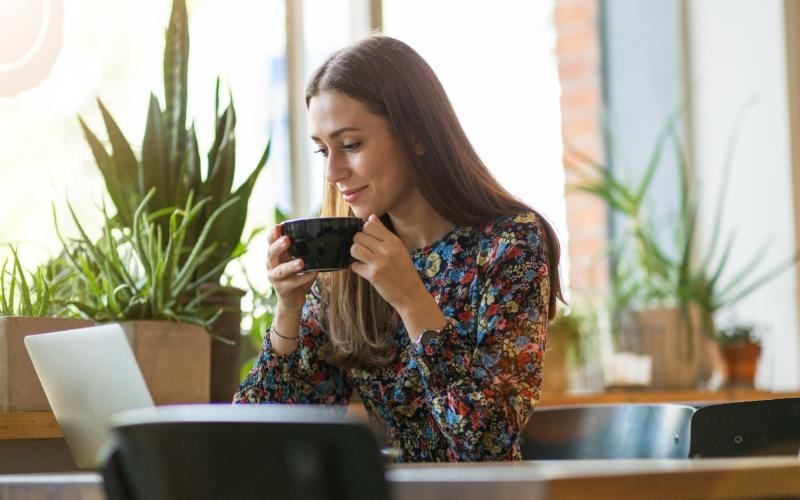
[440,324]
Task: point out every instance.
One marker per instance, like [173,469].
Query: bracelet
[273,330]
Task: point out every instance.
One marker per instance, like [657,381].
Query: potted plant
[741,350]
[170,162]
[147,280]
[572,358]
[665,294]
[30,303]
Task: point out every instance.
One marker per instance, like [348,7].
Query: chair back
[225,453]
[607,431]
[747,429]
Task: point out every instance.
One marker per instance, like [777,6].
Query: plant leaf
[124,162]
[116,190]
[155,163]
[229,228]
[176,69]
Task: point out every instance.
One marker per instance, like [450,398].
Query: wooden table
[618,479]
[32,441]
[629,479]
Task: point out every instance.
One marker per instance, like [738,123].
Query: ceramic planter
[175,360]
[20,389]
[681,359]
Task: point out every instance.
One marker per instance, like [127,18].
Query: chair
[241,452]
[607,431]
[747,429]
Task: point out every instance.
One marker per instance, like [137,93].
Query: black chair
[242,452]
[607,431]
[747,429]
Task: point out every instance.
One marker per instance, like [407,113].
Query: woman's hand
[284,273]
[383,260]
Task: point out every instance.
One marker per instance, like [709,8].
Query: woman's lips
[351,195]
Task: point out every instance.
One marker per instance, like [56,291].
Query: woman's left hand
[383,260]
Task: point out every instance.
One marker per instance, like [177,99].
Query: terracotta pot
[225,364]
[175,360]
[20,389]
[741,359]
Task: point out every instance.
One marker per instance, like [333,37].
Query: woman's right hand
[284,273]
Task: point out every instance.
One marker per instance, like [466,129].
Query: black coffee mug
[322,242]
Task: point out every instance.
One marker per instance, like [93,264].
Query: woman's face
[363,159]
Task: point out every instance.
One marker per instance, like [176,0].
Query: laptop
[88,375]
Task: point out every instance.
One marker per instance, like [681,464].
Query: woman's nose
[335,169]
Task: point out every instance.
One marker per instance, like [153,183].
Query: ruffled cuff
[444,358]
[272,374]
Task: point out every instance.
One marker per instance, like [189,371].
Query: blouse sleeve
[301,376]
[481,397]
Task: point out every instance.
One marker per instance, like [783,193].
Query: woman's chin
[360,212]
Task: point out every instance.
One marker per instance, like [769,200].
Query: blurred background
[543,89]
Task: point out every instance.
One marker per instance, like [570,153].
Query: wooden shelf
[29,425]
[665,396]
[42,425]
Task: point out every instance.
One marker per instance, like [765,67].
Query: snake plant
[170,161]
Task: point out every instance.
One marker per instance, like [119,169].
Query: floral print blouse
[468,393]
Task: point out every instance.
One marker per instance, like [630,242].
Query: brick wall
[578,52]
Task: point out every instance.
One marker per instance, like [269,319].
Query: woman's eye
[321,151]
[351,146]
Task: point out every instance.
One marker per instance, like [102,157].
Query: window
[114,51]
[498,66]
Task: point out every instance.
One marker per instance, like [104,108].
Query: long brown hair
[397,84]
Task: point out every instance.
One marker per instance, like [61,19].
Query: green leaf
[154,168]
[194,171]
[223,163]
[246,367]
[280,216]
[655,155]
[25,305]
[228,231]
[216,105]
[86,310]
[116,190]
[191,261]
[760,281]
[138,238]
[123,161]
[716,273]
[725,177]
[176,69]
[5,308]
[225,125]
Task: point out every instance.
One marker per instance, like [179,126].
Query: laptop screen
[88,375]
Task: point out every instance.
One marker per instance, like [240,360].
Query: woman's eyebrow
[338,132]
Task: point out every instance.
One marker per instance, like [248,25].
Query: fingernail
[298,263]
